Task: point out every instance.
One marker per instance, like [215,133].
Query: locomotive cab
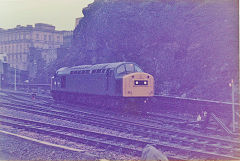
[131,81]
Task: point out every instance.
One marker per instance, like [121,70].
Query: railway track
[167,119]
[126,145]
[106,141]
[161,118]
[175,138]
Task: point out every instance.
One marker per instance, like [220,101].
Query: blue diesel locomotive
[110,84]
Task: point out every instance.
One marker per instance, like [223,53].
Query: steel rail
[92,138]
[91,118]
[142,143]
[103,124]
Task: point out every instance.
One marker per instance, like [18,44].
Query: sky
[59,13]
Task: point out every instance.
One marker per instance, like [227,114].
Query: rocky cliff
[190,46]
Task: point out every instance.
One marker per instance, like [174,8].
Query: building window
[37,36]
[45,37]
[10,48]
[49,37]
[25,57]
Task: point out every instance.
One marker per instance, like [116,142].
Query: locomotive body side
[93,84]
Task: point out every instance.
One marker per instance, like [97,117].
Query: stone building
[16,43]
[67,38]
[3,57]
[77,20]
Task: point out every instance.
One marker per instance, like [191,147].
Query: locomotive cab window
[129,68]
[121,70]
[137,69]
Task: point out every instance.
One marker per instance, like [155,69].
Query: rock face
[190,46]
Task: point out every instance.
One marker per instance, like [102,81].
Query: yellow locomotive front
[138,84]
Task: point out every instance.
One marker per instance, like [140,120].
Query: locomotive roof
[106,65]
[67,70]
